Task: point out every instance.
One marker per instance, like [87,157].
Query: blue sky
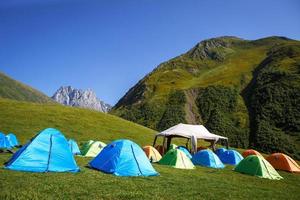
[109,45]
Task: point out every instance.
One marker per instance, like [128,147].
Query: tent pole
[154,141]
[169,142]
[163,145]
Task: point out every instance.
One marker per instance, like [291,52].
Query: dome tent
[257,166]
[92,148]
[249,152]
[74,147]
[13,141]
[48,151]
[283,162]
[177,159]
[152,154]
[219,151]
[4,142]
[207,158]
[231,157]
[187,153]
[123,158]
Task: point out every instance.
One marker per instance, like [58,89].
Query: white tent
[192,132]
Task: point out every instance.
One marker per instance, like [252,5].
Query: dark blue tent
[231,157]
[46,152]
[123,158]
[219,151]
[13,141]
[187,153]
[74,147]
[207,158]
[4,143]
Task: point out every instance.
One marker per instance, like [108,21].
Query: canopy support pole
[154,142]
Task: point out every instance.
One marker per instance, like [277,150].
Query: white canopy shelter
[191,132]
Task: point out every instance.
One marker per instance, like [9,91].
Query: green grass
[12,89]
[201,183]
[27,119]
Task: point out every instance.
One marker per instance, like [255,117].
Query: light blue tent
[48,151]
[231,157]
[207,158]
[13,141]
[74,147]
[123,158]
[219,151]
[4,143]
[187,153]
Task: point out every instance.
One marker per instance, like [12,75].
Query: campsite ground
[201,183]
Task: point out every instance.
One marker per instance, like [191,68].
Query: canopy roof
[189,131]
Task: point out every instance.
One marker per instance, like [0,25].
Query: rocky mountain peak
[70,96]
[215,48]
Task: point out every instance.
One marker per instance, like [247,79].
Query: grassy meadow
[200,183]
[27,119]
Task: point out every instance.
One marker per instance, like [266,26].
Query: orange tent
[283,162]
[249,152]
[152,154]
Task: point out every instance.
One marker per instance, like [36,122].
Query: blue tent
[207,158]
[13,141]
[123,158]
[187,153]
[48,151]
[74,147]
[4,143]
[219,151]
[231,157]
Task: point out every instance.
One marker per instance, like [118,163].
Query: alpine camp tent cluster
[123,158]
[92,148]
[48,151]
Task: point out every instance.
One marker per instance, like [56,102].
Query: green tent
[92,148]
[177,159]
[257,166]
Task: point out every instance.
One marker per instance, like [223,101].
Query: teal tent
[207,158]
[4,143]
[74,147]
[123,158]
[13,141]
[48,151]
[186,151]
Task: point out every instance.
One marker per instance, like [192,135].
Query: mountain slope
[231,86]
[13,89]
[26,119]
[69,96]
